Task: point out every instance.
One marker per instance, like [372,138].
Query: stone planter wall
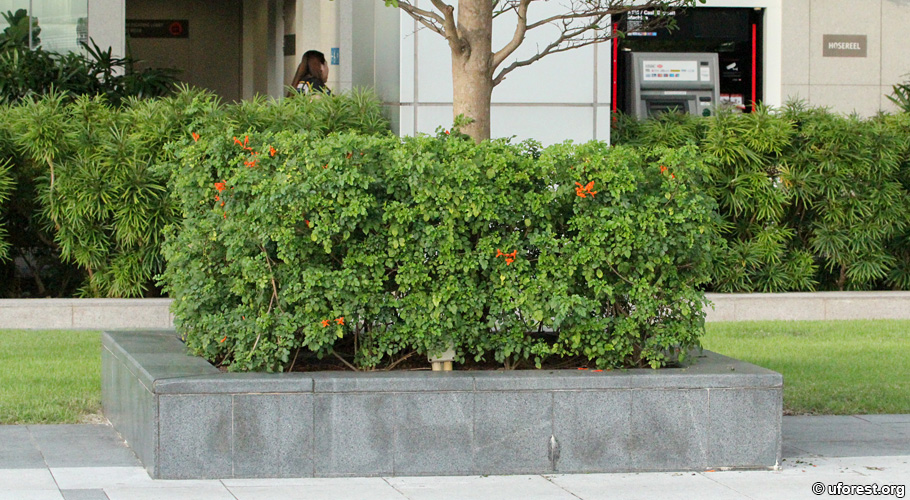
[185,419]
[137,314]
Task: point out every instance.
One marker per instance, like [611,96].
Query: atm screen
[657,107]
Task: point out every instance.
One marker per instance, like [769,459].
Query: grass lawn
[49,377]
[829,367]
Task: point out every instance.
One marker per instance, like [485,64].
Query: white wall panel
[407,42]
[547,124]
[431,117]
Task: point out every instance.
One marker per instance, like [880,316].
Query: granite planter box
[185,419]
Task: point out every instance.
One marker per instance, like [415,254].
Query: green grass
[829,367]
[49,377]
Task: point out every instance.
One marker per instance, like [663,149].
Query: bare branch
[608,10]
[581,26]
[427,18]
[559,45]
[521,26]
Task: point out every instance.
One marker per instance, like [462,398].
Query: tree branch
[451,31]
[427,18]
[582,26]
[556,46]
[520,28]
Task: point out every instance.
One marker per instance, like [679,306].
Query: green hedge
[503,251]
[91,179]
[810,199]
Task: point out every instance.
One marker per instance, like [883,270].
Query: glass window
[63,23]
[56,25]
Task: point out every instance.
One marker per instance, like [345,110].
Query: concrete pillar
[106,25]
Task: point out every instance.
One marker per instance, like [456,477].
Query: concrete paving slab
[762,485]
[84,495]
[313,489]
[212,491]
[82,446]
[885,470]
[30,495]
[76,478]
[645,486]
[18,450]
[870,448]
[886,419]
[790,450]
[480,487]
[834,428]
[26,480]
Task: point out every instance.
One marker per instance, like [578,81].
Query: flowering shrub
[373,248]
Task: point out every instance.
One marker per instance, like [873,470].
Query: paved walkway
[91,462]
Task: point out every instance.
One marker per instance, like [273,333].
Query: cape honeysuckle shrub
[810,199]
[99,172]
[371,249]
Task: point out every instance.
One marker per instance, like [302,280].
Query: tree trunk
[472,72]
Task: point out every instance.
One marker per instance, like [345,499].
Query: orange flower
[499,253]
[220,186]
[340,320]
[195,137]
[217,198]
[349,155]
[252,161]
[244,144]
[225,215]
[325,323]
[225,338]
[583,191]
[509,260]
[272,151]
[663,169]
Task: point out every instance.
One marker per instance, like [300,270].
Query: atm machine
[660,82]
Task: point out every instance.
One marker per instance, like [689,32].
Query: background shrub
[6,188]
[372,249]
[810,199]
[92,199]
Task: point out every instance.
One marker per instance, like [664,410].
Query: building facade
[844,54]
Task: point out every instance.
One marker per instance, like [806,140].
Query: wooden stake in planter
[443,362]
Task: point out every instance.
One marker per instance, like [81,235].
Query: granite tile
[434,434]
[593,429]
[273,435]
[17,450]
[82,446]
[669,429]
[194,437]
[512,432]
[745,427]
[354,434]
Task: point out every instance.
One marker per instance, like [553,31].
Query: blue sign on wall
[336,56]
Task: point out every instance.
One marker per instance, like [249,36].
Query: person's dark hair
[309,67]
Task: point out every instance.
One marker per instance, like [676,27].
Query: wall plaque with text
[844,46]
[157,28]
